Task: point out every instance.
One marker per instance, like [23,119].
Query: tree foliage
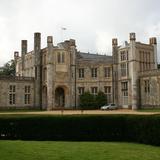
[8,69]
[100,99]
[86,100]
[90,101]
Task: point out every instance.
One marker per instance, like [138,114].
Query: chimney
[132,36]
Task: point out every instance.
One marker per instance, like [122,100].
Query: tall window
[81,90]
[12,94]
[124,90]
[146,86]
[94,72]
[108,92]
[44,59]
[107,72]
[81,73]
[94,90]
[60,57]
[145,60]
[63,58]
[27,95]
[124,55]
[44,74]
[124,69]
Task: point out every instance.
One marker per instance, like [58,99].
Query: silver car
[110,106]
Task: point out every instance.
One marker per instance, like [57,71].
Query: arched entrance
[60,97]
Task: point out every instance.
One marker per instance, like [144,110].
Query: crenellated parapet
[155,72]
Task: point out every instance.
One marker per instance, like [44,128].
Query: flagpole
[62,33]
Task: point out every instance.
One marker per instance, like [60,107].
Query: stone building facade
[59,74]
[16,92]
[130,60]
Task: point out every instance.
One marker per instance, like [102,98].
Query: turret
[23,53]
[72,44]
[50,74]
[132,36]
[73,100]
[115,70]
[16,55]
[133,71]
[38,70]
[114,50]
[153,42]
[49,41]
[37,50]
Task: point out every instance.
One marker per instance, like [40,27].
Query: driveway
[75,112]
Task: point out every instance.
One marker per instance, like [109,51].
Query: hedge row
[129,128]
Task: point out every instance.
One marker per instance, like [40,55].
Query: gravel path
[74,112]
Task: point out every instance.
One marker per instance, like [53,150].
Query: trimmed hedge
[129,128]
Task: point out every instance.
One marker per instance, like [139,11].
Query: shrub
[100,99]
[129,128]
[87,101]
[90,101]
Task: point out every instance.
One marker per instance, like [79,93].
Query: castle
[55,76]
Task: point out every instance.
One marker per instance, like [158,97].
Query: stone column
[73,85]
[16,56]
[38,70]
[153,42]
[115,71]
[133,72]
[50,74]
[23,53]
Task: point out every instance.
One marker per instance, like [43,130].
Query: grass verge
[33,150]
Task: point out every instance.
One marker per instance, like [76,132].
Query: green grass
[30,150]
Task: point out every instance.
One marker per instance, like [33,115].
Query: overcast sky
[93,23]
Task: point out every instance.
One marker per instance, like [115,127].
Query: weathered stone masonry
[59,74]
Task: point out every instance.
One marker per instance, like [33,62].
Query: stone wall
[19,96]
[150,89]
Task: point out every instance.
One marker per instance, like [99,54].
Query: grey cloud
[91,23]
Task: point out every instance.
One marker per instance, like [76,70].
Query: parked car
[109,107]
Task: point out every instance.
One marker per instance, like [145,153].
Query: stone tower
[38,70]
[50,73]
[23,53]
[16,55]
[153,42]
[133,72]
[115,70]
[73,70]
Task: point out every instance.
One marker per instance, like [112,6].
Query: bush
[90,101]
[87,101]
[129,128]
[100,99]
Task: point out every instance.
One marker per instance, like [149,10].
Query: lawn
[31,150]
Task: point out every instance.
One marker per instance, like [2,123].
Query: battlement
[155,72]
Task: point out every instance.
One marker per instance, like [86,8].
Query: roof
[94,57]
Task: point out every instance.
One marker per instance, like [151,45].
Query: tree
[100,99]
[90,101]
[8,69]
[86,100]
